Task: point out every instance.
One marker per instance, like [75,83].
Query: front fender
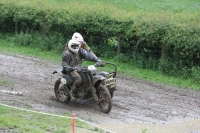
[97,78]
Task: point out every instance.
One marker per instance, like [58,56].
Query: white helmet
[77,36]
[73,46]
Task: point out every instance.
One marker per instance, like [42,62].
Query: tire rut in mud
[134,101]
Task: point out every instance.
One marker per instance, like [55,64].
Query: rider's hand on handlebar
[100,63]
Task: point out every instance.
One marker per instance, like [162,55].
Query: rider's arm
[88,55]
[85,46]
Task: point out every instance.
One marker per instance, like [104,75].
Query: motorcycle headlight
[92,68]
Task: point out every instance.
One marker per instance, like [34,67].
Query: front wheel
[61,92]
[104,96]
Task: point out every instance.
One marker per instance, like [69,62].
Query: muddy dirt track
[135,101]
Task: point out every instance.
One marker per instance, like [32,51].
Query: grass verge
[126,70]
[15,120]
[146,5]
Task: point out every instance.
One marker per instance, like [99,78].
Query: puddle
[186,126]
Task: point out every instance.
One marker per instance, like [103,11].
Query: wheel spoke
[60,92]
[103,100]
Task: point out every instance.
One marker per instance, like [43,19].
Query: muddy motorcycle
[97,84]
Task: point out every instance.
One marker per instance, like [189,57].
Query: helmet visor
[75,46]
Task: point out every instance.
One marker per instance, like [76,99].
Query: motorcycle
[99,85]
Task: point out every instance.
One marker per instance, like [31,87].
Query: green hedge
[165,41]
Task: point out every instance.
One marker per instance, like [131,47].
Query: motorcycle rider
[77,36]
[72,61]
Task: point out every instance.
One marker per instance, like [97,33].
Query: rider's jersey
[70,59]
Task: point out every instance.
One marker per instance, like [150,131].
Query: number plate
[109,80]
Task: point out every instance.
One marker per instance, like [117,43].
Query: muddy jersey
[71,60]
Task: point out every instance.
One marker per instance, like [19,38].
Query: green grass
[180,6]
[127,70]
[36,52]
[4,82]
[146,5]
[21,121]
[25,121]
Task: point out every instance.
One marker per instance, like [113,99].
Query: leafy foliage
[165,41]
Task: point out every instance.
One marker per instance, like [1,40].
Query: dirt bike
[100,85]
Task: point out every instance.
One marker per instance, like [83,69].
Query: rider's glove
[83,43]
[100,63]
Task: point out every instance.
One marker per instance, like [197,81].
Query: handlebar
[112,64]
[104,63]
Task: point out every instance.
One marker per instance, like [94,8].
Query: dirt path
[28,83]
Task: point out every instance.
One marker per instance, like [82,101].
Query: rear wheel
[61,92]
[105,103]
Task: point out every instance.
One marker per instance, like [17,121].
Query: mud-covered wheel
[104,96]
[60,93]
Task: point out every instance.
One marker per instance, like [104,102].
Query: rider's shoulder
[81,50]
[67,52]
